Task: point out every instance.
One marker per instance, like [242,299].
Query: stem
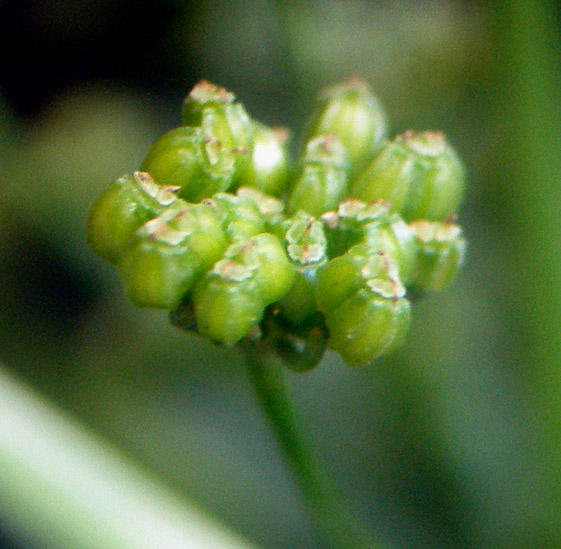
[337,524]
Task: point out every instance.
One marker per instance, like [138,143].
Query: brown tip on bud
[144,177]
[170,188]
[205,91]
[406,135]
[215,141]
[354,81]
[451,219]
[427,143]
[380,202]
[328,143]
[330,219]
[281,134]
[209,202]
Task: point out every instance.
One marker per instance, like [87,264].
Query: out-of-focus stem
[338,526]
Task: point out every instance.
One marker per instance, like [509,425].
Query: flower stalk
[335,521]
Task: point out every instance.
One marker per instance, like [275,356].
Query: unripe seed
[226,311]
[419,174]
[239,217]
[306,241]
[275,273]
[352,113]
[338,280]
[170,253]
[190,159]
[322,182]
[364,305]
[217,112]
[121,209]
[368,325]
[231,299]
[376,229]
[306,245]
[272,209]
[440,253]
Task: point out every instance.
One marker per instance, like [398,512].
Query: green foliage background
[455,440]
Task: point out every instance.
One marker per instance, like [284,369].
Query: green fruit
[230,300]
[322,182]
[121,209]
[240,217]
[168,254]
[271,208]
[352,113]
[367,325]
[226,310]
[374,228]
[306,245]
[363,303]
[220,116]
[440,253]
[419,174]
[187,158]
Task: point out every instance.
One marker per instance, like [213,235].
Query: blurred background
[455,440]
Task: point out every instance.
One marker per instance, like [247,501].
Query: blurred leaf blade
[64,487]
[529,92]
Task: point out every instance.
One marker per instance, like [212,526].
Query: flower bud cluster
[220,229]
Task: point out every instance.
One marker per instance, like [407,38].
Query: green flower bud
[322,182]
[226,309]
[306,245]
[187,158]
[268,166]
[364,305]
[168,254]
[440,253]
[217,112]
[352,113]
[275,274]
[373,226]
[231,298]
[370,323]
[240,217]
[339,279]
[121,209]
[419,174]
[306,241]
[272,209]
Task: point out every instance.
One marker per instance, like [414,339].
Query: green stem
[337,524]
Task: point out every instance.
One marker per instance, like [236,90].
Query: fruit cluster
[219,227]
